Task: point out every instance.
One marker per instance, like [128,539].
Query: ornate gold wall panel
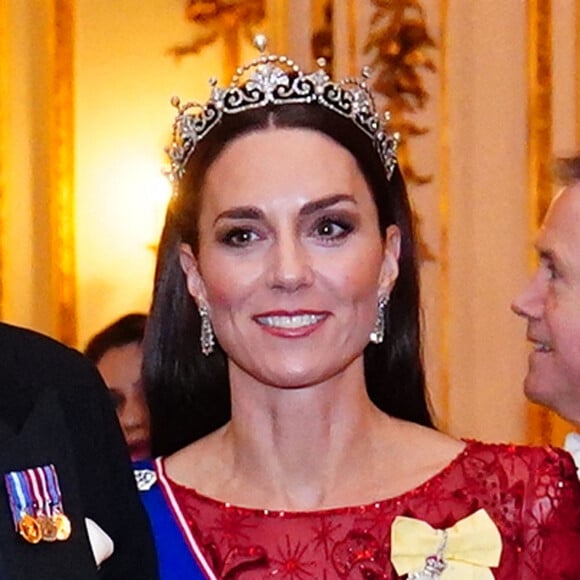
[277,16]
[352,44]
[540,107]
[443,254]
[322,17]
[539,152]
[577,68]
[61,149]
[3,105]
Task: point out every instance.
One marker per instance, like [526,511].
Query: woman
[289,250]
[117,352]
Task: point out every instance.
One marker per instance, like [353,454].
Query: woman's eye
[239,237]
[333,229]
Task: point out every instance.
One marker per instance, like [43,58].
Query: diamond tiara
[278,80]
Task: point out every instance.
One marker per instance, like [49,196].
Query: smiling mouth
[290,322]
[542,347]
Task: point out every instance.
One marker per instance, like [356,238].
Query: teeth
[541,347]
[291,321]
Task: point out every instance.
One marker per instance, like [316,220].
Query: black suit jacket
[55,409]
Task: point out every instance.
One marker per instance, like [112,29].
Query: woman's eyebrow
[254,213]
[242,212]
[314,206]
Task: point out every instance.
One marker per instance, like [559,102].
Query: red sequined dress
[531,494]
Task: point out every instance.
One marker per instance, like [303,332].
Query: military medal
[36,504]
[59,519]
[63,527]
[47,527]
[29,529]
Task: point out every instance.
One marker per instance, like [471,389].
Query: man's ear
[194,281]
[390,266]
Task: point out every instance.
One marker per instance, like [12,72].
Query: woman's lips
[295,324]
[139,450]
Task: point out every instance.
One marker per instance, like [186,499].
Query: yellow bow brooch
[465,551]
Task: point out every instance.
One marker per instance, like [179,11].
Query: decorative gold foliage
[224,19]
[400,44]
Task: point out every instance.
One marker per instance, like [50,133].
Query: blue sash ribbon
[174,555]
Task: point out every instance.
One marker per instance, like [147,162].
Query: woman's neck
[300,446]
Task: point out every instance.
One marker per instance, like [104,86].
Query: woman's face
[120,368]
[291,261]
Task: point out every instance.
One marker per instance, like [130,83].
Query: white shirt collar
[572,445]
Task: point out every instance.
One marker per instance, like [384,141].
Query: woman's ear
[194,281]
[390,266]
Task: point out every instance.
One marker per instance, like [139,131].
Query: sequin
[532,494]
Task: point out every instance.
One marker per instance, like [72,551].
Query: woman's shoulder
[534,457]
[471,460]
[537,471]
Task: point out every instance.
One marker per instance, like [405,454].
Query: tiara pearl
[278,80]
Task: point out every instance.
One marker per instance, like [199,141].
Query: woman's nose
[135,414]
[291,266]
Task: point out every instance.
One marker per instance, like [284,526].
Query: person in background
[286,320]
[69,508]
[550,304]
[117,352]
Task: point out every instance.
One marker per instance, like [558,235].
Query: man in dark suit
[56,418]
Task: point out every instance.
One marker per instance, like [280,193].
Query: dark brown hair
[125,330]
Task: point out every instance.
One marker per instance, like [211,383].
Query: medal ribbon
[34,491]
[45,491]
[53,489]
[39,500]
[20,495]
[36,504]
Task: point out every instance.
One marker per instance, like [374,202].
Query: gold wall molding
[334,36]
[4,57]
[277,19]
[544,426]
[61,168]
[577,73]
[352,37]
[540,118]
[322,41]
[444,299]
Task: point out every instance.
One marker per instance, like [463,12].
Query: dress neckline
[470,444]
